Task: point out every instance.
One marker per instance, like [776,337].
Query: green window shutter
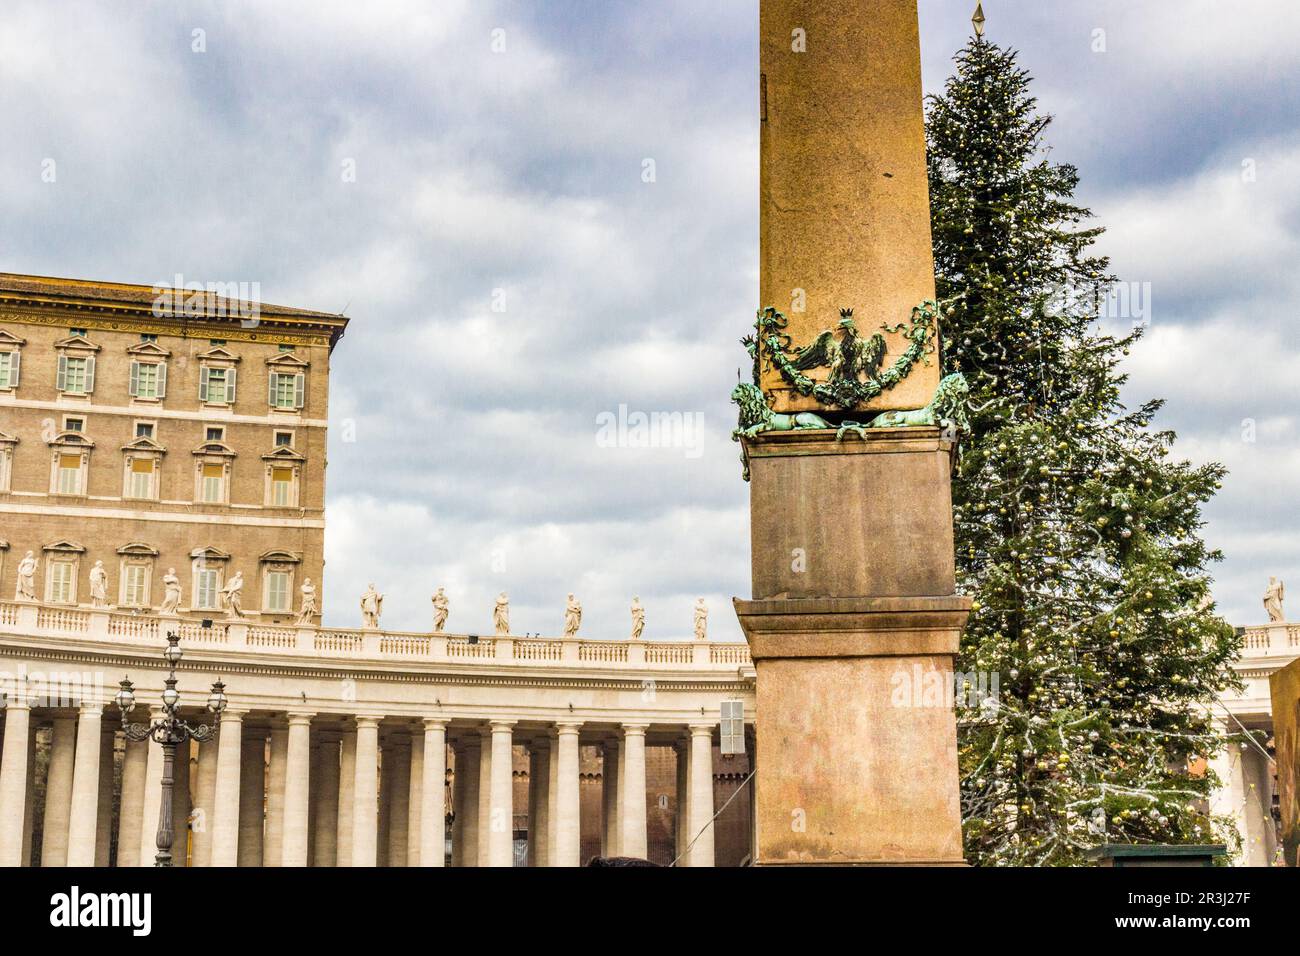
[270,390]
[15,361]
[162,379]
[62,381]
[203,383]
[230,386]
[133,388]
[299,389]
[90,375]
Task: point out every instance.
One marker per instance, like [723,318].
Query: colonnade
[302,788]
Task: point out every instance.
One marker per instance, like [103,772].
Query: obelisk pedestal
[854,622]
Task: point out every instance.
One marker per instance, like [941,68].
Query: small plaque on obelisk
[844,214]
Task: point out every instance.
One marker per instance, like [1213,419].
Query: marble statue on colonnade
[308,611]
[230,597]
[638,618]
[171,592]
[501,614]
[1273,596]
[98,585]
[701,620]
[26,590]
[372,605]
[572,616]
[441,608]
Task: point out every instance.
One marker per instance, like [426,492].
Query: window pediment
[64,546]
[218,356]
[276,556]
[76,343]
[70,439]
[286,361]
[137,550]
[210,554]
[9,340]
[4,545]
[144,445]
[215,448]
[7,439]
[284,453]
[148,350]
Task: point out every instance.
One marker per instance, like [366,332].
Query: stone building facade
[150,429]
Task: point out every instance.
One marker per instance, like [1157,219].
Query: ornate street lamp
[170,731]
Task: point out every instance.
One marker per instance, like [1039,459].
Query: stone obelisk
[855,620]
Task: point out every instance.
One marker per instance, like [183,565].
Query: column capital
[300,717]
[231,713]
[635,728]
[18,701]
[90,708]
[436,723]
[368,720]
[702,730]
[568,727]
[501,726]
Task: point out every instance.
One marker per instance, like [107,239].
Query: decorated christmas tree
[1078,530]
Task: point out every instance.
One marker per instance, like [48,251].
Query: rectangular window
[207,588]
[284,439]
[216,385]
[148,380]
[148,337]
[286,390]
[144,429]
[282,487]
[214,480]
[69,475]
[75,374]
[215,433]
[142,473]
[9,369]
[61,582]
[277,590]
[733,727]
[74,424]
[135,585]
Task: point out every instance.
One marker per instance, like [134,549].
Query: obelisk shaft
[844,208]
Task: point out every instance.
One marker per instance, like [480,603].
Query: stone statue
[98,585]
[701,620]
[1273,600]
[26,578]
[230,597]
[441,607]
[638,618]
[372,605]
[307,612]
[171,592]
[501,614]
[572,616]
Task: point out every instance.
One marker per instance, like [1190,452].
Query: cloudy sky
[466,180]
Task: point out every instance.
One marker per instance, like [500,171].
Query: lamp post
[170,732]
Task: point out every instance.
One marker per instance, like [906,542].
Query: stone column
[58,792]
[634,791]
[365,799]
[683,752]
[130,817]
[181,805]
[539,809]
[552,795]
[297,791]
[225,800]
[205,792]
[13,779]
[347,795]
[29,807]
[699,822]
[458,806]
[252,782]
[415,798]
[568,830]
[501,827]
[399,797]
[104,804]
[484,855]
[276,778]
[611,837]
[1241,798]
[313,797]
[384,824]
[152,796]
[433,794]
[470,830]
[326,790]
